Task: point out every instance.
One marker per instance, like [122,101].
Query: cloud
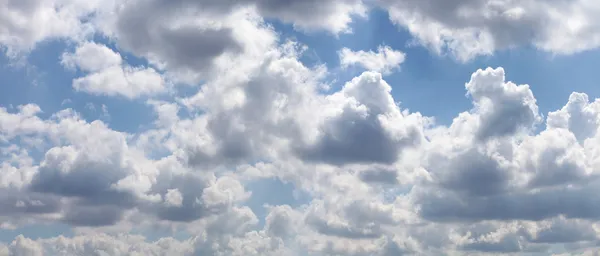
[107,75]
[385,60]
[466,29]
[502,108]
[468,172]
[462,28]
[358,125]
[100,178]
[333,15]
[27,23]
[579,116]
[477,187]
[379,176]
[509,178]
[369,176]
[97,244]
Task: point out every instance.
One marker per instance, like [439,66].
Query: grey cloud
[500,176]
[447,206]
[93,216]
[87,180]
[17,203]
[383,176]
[555,159]
[352,139]
[268,112]
[152,28]
[565,231]
[507,119]
[234,144]
[235,221]
[482,178]
[191,188]
[358,133]
[308,14]
[467,28]
[503,107]
[302,12]
[143,28]
[94,202]
[471,172]
[506,31]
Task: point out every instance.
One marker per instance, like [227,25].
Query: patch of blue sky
[45,82]
[37,231]
[273,192]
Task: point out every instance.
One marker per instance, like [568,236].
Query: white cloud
[173,198]
[106,75]
[129,82]
[26,23]
[378,179]
[91,57]
[385,60]
[579,116]
[466,29]
[105,180]
[98,244]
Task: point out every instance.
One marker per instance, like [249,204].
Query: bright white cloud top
[385,60]
[377,179]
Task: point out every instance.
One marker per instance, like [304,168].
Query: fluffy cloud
[518,191]
[26,23]
[106,75]
[369,177]
[472,172]
[99,244]
[385,60]
[362,123]
[466,29]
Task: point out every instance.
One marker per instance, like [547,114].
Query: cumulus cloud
[26,23]
[530,189]
[369,177]
[463,29]
[511,178]
[107,75]
[466,29]
[385,60]
[363,124]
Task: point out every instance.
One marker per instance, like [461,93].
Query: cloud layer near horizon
[381,180]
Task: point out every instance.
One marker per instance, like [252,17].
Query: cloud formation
[466,29]
[369,176]
[385,60]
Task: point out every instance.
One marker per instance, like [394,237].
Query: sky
[299,127]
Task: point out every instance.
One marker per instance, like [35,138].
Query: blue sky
[209,134]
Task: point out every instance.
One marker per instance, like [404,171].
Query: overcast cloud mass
[201,127]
